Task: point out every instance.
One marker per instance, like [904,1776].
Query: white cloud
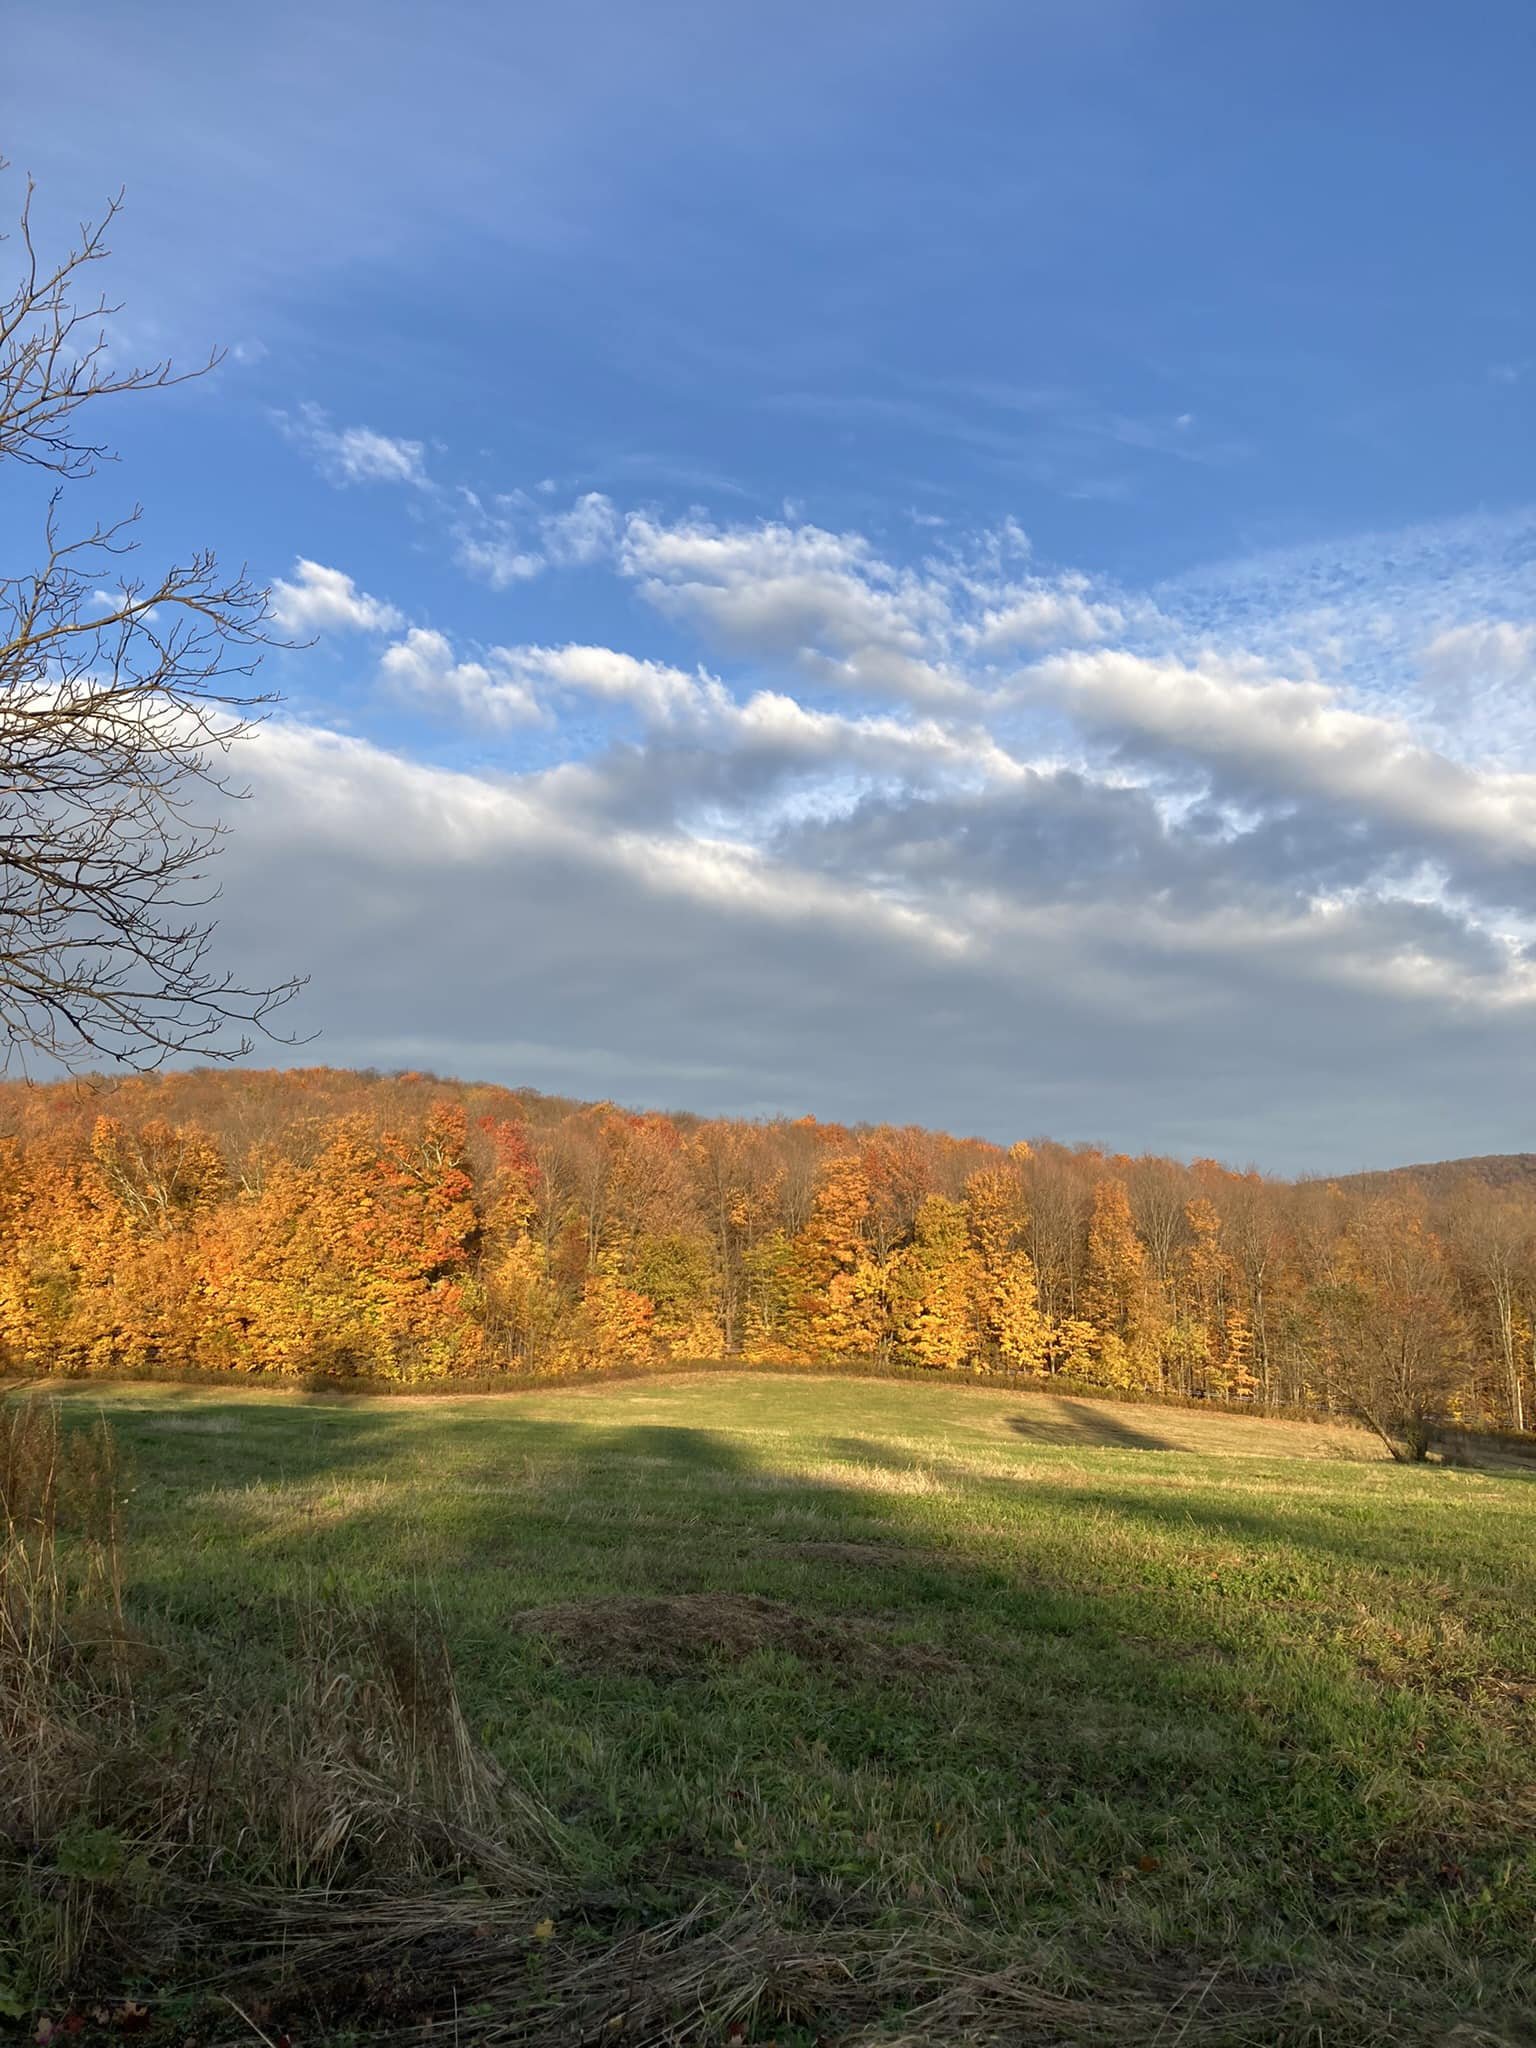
[499,561]
[322,599]
[364,455]
[650,686]
[520,539]
[355,455]
[1365,606]
[1044,616]
[900,976]
[584,534]
[422,667]
[827,601]
[1272,737]
[1485,650]
[770,726]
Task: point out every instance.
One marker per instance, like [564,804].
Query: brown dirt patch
[676,1635]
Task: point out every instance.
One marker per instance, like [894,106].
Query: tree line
[399,1227]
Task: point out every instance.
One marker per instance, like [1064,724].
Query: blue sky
[965,562]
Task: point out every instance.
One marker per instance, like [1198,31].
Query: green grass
[1119,1697]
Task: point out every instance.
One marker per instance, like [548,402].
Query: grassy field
[846,1711]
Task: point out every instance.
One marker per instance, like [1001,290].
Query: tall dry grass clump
[169,1813]
[61,1616]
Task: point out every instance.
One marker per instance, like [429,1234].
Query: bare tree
[1491,1230]
[1396,1341]
[121,697]
[1160,1190]
[1057,1191]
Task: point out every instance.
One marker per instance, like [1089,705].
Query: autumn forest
[403,1228]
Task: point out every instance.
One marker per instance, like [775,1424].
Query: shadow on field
[1366,1536]
[1083,1422]
[492,1479]
[885,1457]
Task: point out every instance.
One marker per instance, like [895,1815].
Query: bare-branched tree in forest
[121,696]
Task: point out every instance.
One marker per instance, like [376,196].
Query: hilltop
[1438,1177]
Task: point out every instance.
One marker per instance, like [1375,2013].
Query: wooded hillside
[325,1221]
[1440,1176]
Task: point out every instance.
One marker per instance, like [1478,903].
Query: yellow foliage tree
[935,1288]
[1008,1298]
[833,1308]
[617,1318]
[1119,1297]
[1071,1348]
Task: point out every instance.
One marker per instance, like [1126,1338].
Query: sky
[970,564]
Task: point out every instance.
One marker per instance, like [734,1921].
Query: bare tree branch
[121,700]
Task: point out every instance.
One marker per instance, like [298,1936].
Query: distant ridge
[1439,1176]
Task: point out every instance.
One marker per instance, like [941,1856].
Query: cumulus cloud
[769,736]
[825,600]
[1043,616]
[1266,737]
[422,667]
[327,600]
[652,687]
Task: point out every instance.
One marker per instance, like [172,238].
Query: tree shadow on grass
[886,1457]
[1084,1423]
[487,1471]
[1364,1534]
